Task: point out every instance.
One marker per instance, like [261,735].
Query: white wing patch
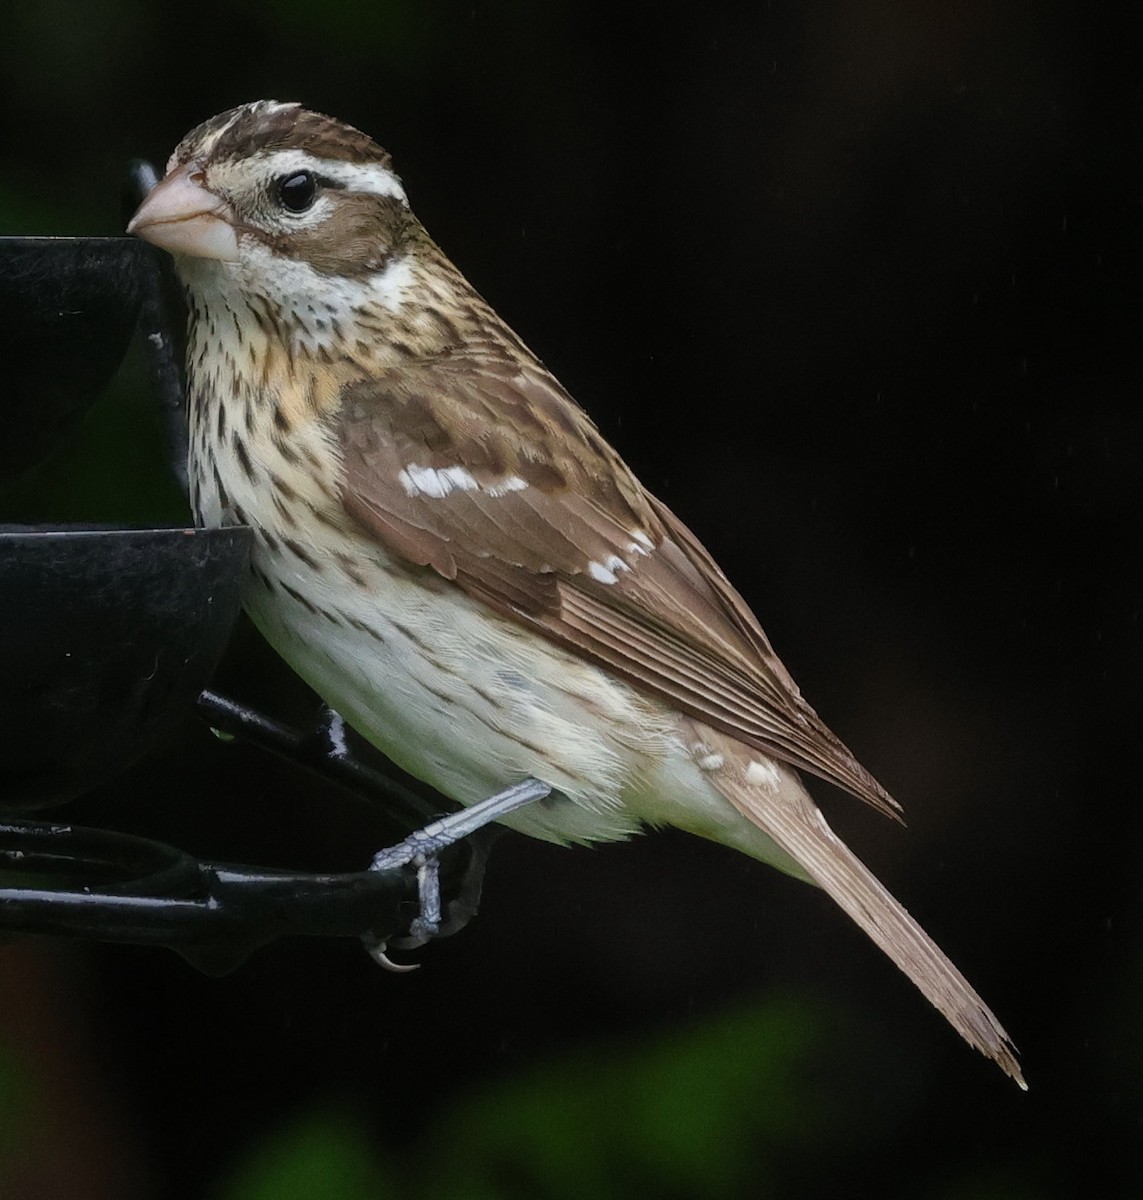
[438,482]
[707,758]
[763,774]
[605,572]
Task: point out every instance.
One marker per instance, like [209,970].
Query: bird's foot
[422,849]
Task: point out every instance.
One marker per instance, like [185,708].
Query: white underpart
[607,571]
[438,482]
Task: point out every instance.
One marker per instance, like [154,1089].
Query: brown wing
[484,469]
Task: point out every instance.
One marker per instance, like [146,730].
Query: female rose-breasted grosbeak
[454,558]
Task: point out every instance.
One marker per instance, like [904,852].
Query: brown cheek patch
[356,239]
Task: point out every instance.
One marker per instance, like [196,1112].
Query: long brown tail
[774,800]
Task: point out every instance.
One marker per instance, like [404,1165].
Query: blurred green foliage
[715,1110]
[18,1096]
[325,1155]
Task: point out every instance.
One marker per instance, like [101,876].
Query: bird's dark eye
[297,192]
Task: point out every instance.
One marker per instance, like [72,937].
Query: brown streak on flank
[299,551]
[349,567]
[263,578]
[298,396]
[486,696]
[243,456]
[223,495]
[327,519]
[406,632]
[282,487]
[443,697]
[296,595]
[266,364]
[364,627]
[285,512]
[257,315]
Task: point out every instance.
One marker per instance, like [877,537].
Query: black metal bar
[213,913]
[320,750]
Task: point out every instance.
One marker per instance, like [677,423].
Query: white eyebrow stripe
[438,482]
[354,177]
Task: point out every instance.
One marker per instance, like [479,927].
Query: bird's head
[274,201]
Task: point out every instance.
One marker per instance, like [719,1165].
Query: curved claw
[420,849]
[376,951]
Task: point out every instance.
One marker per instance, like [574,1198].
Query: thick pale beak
[181,216]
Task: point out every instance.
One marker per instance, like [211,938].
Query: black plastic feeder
[67,312]
[108,637]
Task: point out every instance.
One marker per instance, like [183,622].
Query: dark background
[855,288]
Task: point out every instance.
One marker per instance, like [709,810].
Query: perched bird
[449,552]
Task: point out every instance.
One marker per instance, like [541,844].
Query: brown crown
[266,126]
